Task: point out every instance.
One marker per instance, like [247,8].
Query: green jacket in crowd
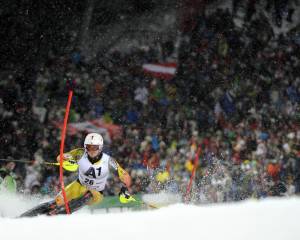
[7,181]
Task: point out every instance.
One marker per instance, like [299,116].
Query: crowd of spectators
[280,9]
[236,96]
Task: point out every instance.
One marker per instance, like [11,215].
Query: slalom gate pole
[196,160]
[62,143]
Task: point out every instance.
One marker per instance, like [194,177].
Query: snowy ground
[255,220]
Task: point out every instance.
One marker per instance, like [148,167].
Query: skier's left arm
[123,174]
[124,195]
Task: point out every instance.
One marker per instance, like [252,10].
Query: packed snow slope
[265,219]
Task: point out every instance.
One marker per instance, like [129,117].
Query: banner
[107,130]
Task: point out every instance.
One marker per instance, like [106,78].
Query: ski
[50,208]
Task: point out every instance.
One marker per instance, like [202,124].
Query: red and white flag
[160,70]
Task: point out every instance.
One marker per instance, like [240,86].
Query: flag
[160,70]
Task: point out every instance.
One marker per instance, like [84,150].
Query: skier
[93,169]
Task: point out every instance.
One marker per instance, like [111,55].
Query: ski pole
[71,167]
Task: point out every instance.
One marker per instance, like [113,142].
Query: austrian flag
[160,70]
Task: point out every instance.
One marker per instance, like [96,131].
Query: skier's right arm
[73,155]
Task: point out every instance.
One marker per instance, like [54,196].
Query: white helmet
[94,139]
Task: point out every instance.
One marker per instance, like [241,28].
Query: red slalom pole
[62,144]
[196,160]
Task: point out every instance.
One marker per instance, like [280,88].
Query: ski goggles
[92,148]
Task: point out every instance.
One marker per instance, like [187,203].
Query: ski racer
[93,170]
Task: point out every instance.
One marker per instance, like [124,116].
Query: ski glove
[70,166]
[124,196]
